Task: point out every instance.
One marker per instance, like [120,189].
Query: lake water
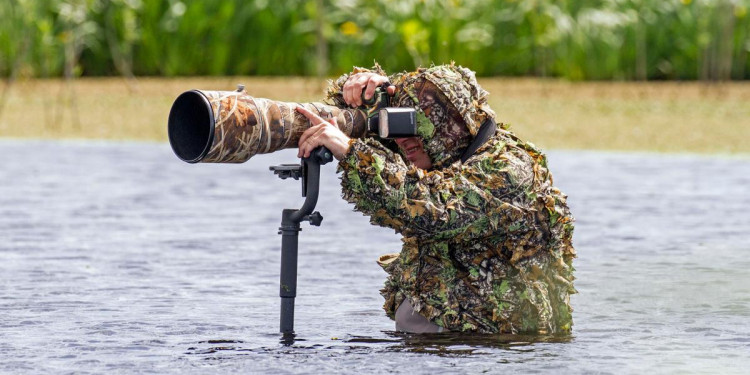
[119,257]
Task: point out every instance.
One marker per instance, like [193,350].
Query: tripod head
[318,157]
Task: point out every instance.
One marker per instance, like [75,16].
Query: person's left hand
[322,133]
[363,84]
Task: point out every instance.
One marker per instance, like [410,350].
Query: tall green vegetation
[575,39]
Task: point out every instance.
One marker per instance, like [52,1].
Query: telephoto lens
[232,126]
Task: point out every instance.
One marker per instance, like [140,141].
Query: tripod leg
[288,281]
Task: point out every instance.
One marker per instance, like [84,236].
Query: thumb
[391,90]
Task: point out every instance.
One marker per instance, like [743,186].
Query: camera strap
[485,132]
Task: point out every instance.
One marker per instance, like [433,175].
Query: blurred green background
[573,39]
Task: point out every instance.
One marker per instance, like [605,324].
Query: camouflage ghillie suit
[487,243]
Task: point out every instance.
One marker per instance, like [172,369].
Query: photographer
[487,240]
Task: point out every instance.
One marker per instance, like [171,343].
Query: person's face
[414,151]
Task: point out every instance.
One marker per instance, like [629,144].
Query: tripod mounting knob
[323,155]
[314,218]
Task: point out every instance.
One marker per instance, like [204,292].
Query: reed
[574,39]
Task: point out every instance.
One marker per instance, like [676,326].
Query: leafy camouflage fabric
[487,243]
[245,125]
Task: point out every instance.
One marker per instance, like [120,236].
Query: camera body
[386,121]
[393,122]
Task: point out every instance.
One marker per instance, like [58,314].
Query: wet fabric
[487,244]
[408,320]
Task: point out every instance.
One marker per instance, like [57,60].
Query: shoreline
[671,117]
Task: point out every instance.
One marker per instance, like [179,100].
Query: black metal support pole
[288,286]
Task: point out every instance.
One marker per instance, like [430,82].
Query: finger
[360,86]
[372,84]
[333,122]
[315,119]
[302,143]
[317,136]
[307,145]
[306,134]
[311,144]
[350,88]
[352,78]
[356,92]
[304,149]
[312,129]
[315,130]
[310,132]
[391,90]
[320,137]
[352,92]
[348,98]
[304,112]
[345,90]
[311,116]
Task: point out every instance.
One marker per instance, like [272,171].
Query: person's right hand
[368,82]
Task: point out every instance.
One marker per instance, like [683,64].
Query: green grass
[554,114]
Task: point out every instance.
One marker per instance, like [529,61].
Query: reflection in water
[447,343]
[225,345]
[439,344]
[458,344]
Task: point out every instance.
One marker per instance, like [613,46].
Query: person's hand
[322,133]
[368,82]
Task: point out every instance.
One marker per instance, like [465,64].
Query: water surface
[119,257]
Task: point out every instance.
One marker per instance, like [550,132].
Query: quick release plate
[285,171]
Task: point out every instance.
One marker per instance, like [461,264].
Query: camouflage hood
[451,107]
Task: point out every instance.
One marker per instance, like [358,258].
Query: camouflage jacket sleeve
[460,202]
